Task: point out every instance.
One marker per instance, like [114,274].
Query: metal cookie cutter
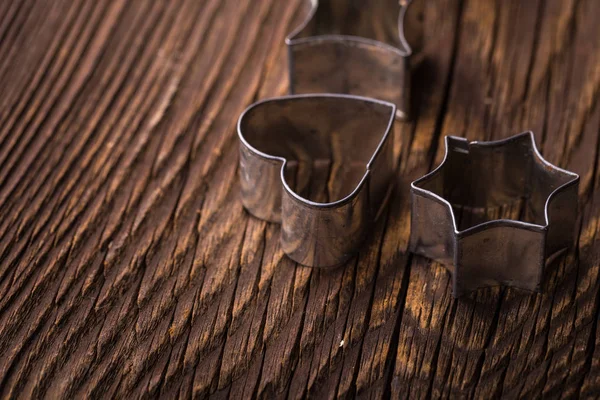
[480,175]
[352,46]
[350,137]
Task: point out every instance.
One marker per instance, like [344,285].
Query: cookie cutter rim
[386,139]
[345,199]
[292,39]
[501,222]
[406,51]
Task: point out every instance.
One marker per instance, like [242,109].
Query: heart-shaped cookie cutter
[477,176]
[352,47]
[350,137]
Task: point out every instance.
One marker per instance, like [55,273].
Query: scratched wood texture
[129,268]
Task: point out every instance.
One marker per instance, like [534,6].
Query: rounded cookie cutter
[352,47]
[475,176]
[350,137]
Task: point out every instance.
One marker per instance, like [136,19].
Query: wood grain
[128,266]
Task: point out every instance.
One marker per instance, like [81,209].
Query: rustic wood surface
[129,267]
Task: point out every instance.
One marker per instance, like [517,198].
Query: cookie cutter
[353,47]
[480,252]
[347,137]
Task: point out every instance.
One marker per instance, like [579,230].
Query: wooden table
[129,267]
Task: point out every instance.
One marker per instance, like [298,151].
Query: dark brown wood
[129,267]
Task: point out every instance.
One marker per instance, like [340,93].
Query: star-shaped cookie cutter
[348,136]
[353,47]
[481,175]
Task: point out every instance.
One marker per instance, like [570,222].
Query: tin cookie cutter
[352,47]
[478,175]
[347,135]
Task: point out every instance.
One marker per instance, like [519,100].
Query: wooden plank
[128,266]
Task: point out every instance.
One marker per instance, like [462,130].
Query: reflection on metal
[449,222]
[284,139]
[353,47]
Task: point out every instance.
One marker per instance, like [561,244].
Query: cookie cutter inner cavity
[451,206]
[354,47]
[321,165]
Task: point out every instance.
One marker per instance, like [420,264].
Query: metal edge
[316,205]
[498,222]
[292,38]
